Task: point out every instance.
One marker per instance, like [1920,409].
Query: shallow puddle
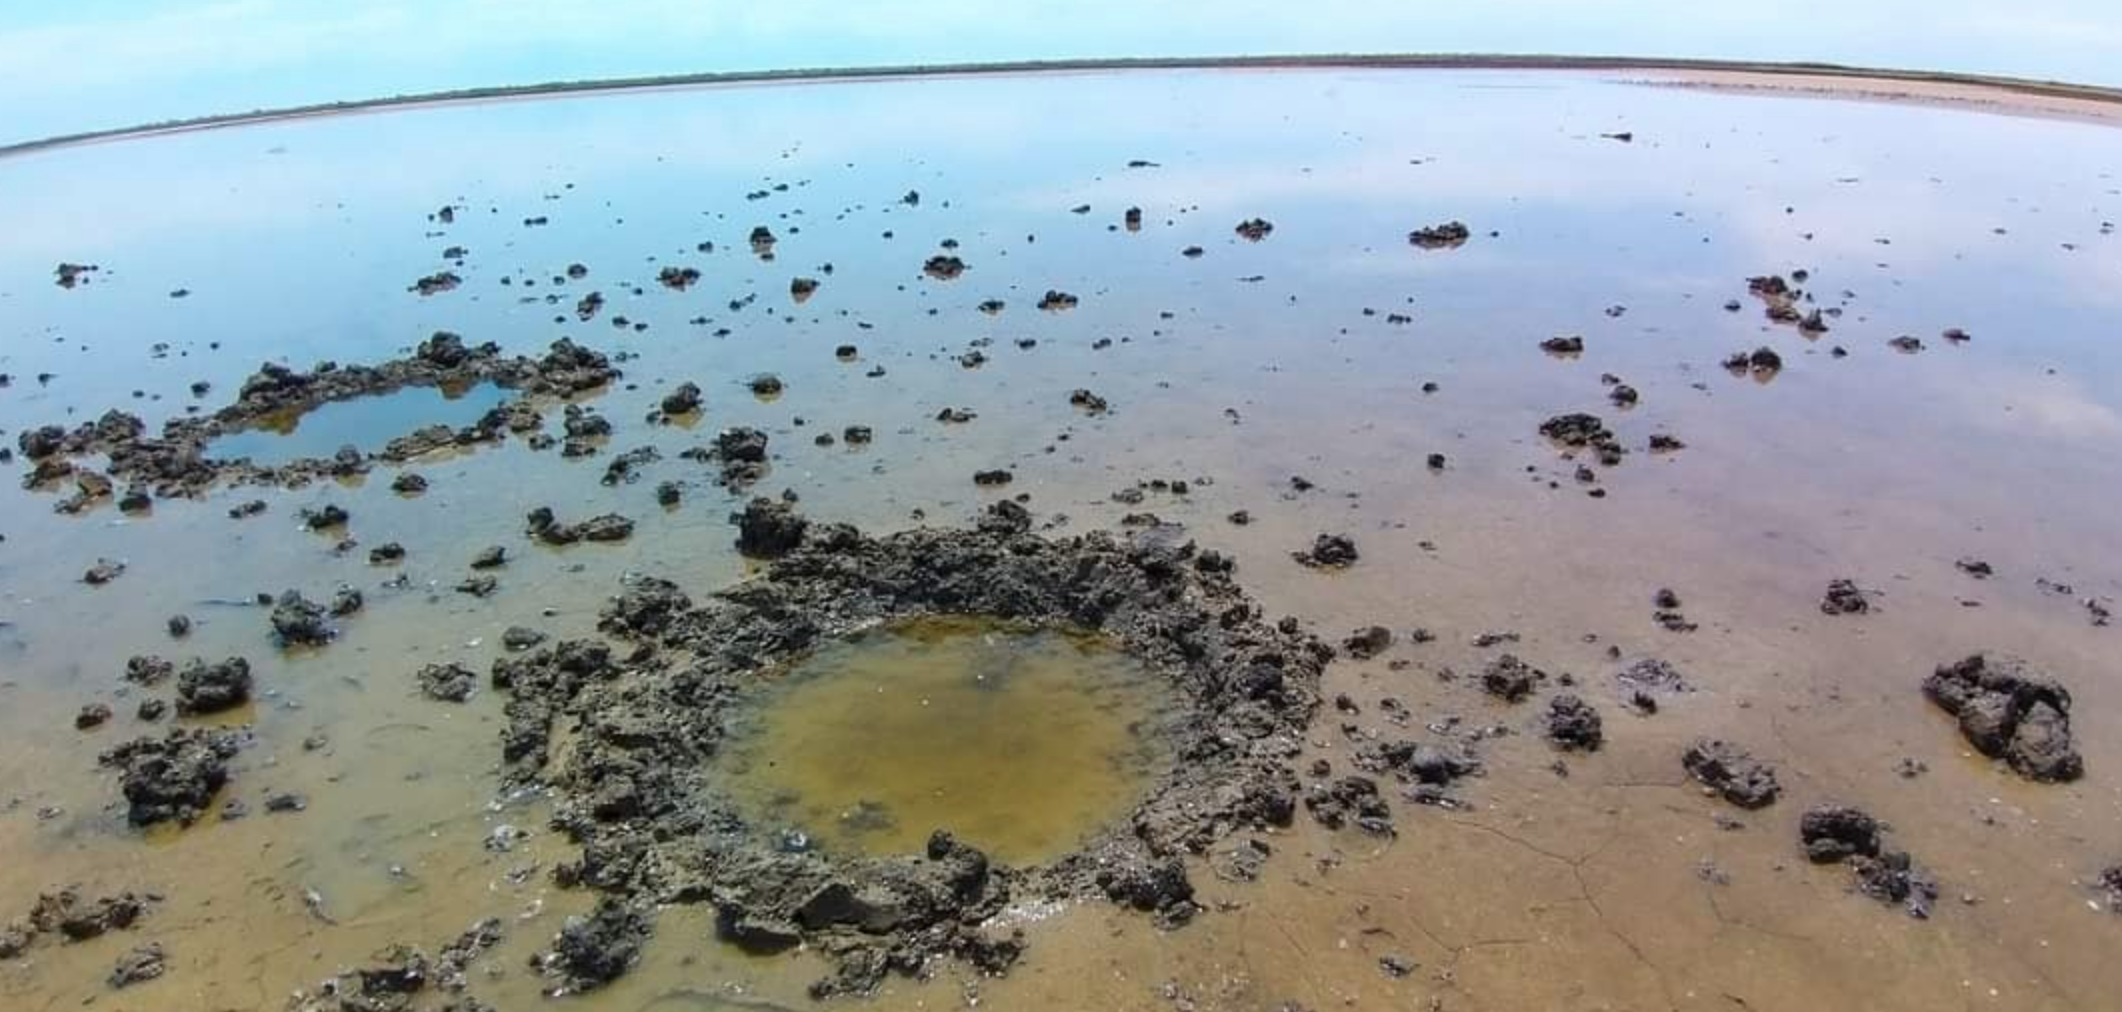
[365,423]
[1223,370]
[1019,741]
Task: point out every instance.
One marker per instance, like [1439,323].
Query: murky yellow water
[1019,741]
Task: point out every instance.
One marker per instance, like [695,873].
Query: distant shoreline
[1711,69]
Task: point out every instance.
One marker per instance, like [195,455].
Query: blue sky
[100,63]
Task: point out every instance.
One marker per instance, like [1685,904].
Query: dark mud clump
[1450,235]
[1577,431]
[1510,679]
[1350,800]
[1844,597]
[1833,834]
[1732,773]
[448,683]
[1329,551]
[656,826]
[71,916]
[767,529]
[1761,362]
[1366,643]
[173,778]
[2011,712]
[139,965]
[943,267]
[212,688]
[176,463]
[1574,724]
[1254,229]
[299,621]
[1054,301]
[544,526]
[1569,345]
[685,400]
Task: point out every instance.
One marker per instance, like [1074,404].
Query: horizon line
[1384,61]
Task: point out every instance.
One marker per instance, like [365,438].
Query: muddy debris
[176,463]
[1328,551]
[409,483]
[1087,402]
[541,525]
[943,267]
[1254,229]
[447,683]
[1510,679]
[436,284]
[103,572]
[1563,346]
[1731,772]
[324,518]
[1906,344]
[1844,597]
[68,275]
[654,831]
[1350,801]
[2010,711]
[1840,834]
[769,529]
[173,778]
[139,965]
[678,279]
[386,554]
[204,688]
[1578,431]
[1574,724]
[1368,642]
[299,621]
[992,478]
[684,400]
[1449,235]
[1762,362]
[1055,301]
[91,716]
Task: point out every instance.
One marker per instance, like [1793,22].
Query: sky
[93,64]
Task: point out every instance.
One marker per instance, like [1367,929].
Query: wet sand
[1619,885]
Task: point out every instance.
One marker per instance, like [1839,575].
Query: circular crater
[1104,707]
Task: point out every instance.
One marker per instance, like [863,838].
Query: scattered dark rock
[768,529]
[213,688]
[1255,229]
[1567,345]
[1732,772]
[1364,644]
[139,965]
[542,525]
[174,777]
[1329,551]
[2010,711]
[448,683]
[1573,723]
[92,715]
[104,571]
[1089,402]
[1450,235]
[943,267]
[683,401]
[1351,800]
[1844,597]
[1510,679]
[297,620]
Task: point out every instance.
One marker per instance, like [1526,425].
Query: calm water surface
[1307,354]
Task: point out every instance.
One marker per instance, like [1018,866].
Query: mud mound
[2009,711]
[654,827]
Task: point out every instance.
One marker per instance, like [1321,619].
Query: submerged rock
[212,688]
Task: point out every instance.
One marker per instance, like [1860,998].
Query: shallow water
[365,423]
[1587,891]
[1019,742]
